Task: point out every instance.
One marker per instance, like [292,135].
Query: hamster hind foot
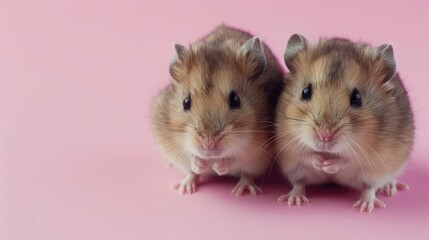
[391,188]
[188,185]
[368,201]
[246,182]
[296,196]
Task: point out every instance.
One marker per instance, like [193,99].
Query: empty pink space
[77,156]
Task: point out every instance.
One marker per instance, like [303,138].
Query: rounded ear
[180,53]
[386,67]
[252,50]
[295,44]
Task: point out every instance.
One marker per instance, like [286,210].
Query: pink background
[77,159]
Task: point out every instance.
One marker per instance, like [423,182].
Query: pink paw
[246,183]
[368,204]
[220,168]
[391,188]
[187,185]
[329,166]
[199,166]
[293,199]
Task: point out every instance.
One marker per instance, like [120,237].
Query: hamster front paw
[391,188]
[295,197]
[244,183]
[329,166]
[221,168]
[188,185]
[199,166]
[368,201]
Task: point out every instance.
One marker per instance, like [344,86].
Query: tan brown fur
[374,140]
[207,72]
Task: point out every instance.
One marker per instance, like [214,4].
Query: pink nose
[210,143]
[325,136]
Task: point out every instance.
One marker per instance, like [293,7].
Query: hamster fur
[344,117]
[217,114]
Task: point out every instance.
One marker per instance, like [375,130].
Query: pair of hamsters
[341,115]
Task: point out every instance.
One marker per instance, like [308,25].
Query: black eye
[187,103]
[234,100]
[355,99]
[306,93]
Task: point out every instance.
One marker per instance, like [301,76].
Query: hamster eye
[187,103]
[234,100]
[306,93]
[355,99]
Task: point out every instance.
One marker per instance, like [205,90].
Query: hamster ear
[387,67]
[295,44]
[253,50]
[180,52]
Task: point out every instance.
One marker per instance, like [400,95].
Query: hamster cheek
[235,146]
[190,144]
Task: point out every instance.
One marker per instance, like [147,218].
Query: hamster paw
[188,185]
[318,162]
[330,166]
[293,199]
[367,204]
[244,183]
[296,196]
[199,166]
[220,168]
[391,188]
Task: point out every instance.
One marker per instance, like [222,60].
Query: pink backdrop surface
[77,157]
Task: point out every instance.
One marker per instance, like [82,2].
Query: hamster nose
[325,136]
[210,143]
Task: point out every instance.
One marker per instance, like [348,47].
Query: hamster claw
[187,185]
[390,189]
[331,169]
[198,166]
[367,205]
[246,183]
[318,162]
[220,168]
[330,166]
[292,200]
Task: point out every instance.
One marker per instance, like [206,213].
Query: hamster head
[339,95]
[218,105]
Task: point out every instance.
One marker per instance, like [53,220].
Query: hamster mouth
[210,154]
[324,146]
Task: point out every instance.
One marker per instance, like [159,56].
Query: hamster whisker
[294,139]
[372,149]
[365,153]
[248,131]
[274,138]
[306,114]
[357,159]
[296,119]
[236,154]
[253,145]
[385,131]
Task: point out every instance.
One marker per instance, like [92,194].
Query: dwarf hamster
[345,117]
[217,114]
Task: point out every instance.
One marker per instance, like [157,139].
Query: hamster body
[217,114]
[344,117]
